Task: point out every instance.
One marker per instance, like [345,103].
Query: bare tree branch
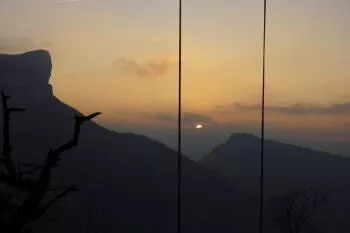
[16,110]
[19,171]
[64,193]
[24,164]
[24,184]
[32,171]
[30,209]
[294,212]
[59,188]
[6,147]
[32,202]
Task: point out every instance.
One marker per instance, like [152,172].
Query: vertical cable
[262,124]
[179,165]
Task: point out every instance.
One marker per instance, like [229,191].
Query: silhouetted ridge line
[36,62]
[120,173]
[242,135]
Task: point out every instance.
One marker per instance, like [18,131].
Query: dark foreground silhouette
[290,172]
[132,179]
[34,182]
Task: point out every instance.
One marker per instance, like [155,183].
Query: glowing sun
[199,126]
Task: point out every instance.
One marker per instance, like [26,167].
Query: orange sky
[120,57]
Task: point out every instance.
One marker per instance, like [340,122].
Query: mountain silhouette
[286,168]
[129,177]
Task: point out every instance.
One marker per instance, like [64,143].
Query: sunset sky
[120,57]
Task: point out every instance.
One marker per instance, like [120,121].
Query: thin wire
[179,164]
[262,125]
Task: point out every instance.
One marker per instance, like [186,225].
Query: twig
[32,171]
[7,148]
[24,184]
[59,188]
[64,193]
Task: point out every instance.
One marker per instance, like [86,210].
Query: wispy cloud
[188,118]
[67,1]
[333,109]
[149,68]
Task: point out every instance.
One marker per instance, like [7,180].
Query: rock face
[129,178]
[36,66]
[28,73]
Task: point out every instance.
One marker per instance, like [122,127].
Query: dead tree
[294,212]
[32,207]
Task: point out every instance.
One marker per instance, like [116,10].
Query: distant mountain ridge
[243,149]
[286,168]
[133,178]
[130,177]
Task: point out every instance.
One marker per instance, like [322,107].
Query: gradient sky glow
[120,57]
